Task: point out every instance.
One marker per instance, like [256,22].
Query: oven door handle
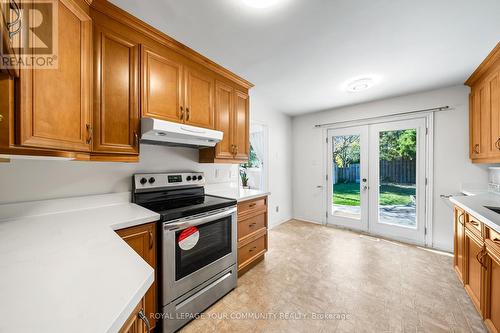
[201,220]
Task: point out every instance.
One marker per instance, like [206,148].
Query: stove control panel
[157,180]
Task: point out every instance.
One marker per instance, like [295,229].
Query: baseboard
[306,220]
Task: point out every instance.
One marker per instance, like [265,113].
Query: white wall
[280,158]
[452,166]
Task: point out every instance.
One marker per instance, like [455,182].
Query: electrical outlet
[277,209]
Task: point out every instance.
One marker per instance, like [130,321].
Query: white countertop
[239,194]
[69,271]
[474,205]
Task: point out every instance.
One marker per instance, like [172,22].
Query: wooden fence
[396,171]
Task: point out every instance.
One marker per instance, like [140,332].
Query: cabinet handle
[236,149]
[253,204]
[461,217]
[182,113]
[90,133]
[150,240]
[496,240]
[251,225]
[143,317]
[136,139]
[233,149]
[188,114]
[252,249]
[1,118]
[497,144]
[476,148]
[480,257]
[474,223]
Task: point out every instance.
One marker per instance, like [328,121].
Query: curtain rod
[441,108]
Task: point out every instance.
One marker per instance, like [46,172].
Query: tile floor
[363,285]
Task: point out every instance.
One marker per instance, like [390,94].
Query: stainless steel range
[198,243]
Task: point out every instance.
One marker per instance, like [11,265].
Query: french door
[376,180]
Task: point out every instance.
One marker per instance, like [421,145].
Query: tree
[398,145]
[345,150]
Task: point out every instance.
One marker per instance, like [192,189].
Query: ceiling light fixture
[261,3]
[360,84]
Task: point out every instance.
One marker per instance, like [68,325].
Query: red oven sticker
[188,238]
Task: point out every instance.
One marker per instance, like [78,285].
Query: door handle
[150,240]
[181,116]
[497,144]
[188,114]
[476,148]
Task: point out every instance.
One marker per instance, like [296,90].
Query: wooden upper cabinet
[241,125]
[142,239]
[224,104]
[116,92]
[55,103]
[484,115]
[231,117]
[199,98]
[161,85]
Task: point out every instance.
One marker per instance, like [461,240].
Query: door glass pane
[346,187]
[397,177]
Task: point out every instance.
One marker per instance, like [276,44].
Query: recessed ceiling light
[261,3]
[360,84]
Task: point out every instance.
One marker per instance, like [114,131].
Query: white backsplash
[494,179]
[28,180]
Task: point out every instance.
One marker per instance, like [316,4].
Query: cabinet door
[143,240]
[473,269]
[224,107]
[475,125]
[55,103]
[494,101]
[199,92]
[116,93]
[241,125]
[134,323]
[161,85]
[492,292]
[459,242]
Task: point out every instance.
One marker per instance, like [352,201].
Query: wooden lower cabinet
[473,269]
[459,242]
[252,233]
[136,322]
[492,291]
[142,239]
[479,248]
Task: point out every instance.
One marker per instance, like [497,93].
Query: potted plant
[244,176]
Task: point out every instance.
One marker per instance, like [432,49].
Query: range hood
[161,132]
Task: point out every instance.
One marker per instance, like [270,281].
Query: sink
[494,209]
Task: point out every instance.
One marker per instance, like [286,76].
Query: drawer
[251,250]
[474,225]
[250,225]
[494,237]
[249,206]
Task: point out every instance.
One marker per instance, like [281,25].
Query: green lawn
[390,194]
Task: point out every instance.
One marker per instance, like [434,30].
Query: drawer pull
[251,225]
[496,240]
[253,204]
[474,223]
[252,249]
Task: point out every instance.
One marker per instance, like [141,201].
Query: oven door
[196,249]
